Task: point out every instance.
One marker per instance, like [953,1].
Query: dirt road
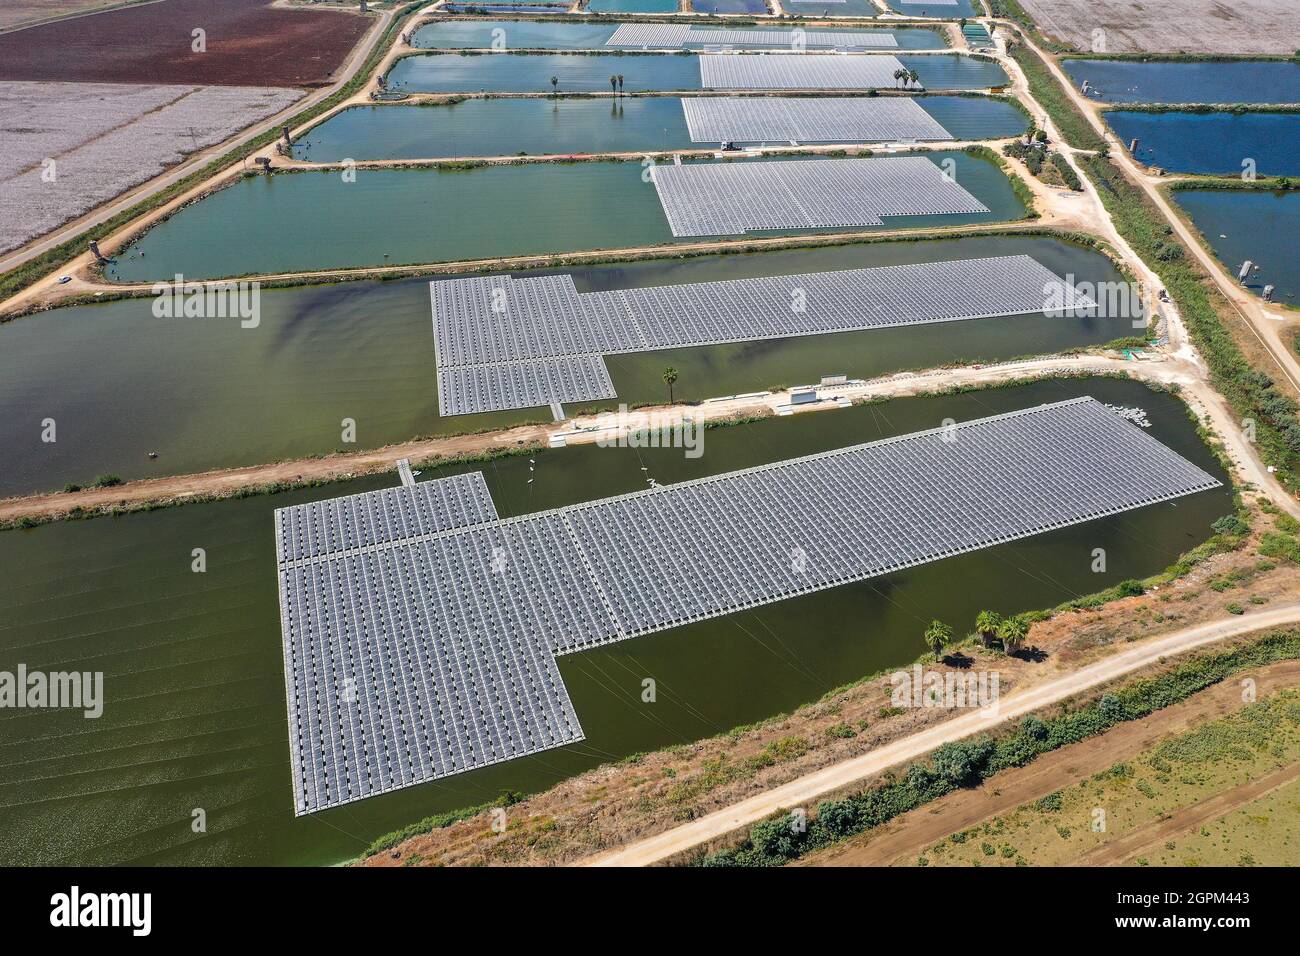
[806,790]
[906,837]
[577,430]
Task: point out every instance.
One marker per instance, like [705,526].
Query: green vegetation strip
[14,281]
[1250,392]
[970,762]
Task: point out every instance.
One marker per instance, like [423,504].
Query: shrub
[1229,524]
[106,481]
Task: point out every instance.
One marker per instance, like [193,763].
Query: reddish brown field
[248,44]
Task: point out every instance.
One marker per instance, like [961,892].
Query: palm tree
[986,625]
[1013,631]
[613,84]
[914,77]
[898,75]
[620,82]
[555,84]
[937,634]
[670,376]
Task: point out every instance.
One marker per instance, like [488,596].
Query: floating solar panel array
[470,389]
[415,658]
[483,325]
[504,374]
[717,119]
[812,71]
[671,36]
[728,198]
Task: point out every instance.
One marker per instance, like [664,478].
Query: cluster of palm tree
[616,83]
[907,77]
[989,625]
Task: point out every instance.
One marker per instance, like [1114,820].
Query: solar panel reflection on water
[672,36]
[483,326]
[811,71]
[410,659]
[729,198]
[825,120]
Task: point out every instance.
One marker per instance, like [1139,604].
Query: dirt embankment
[247,43]
[617,804]
[905,837]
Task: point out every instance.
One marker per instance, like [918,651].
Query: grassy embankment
[968,763]
[1249,391]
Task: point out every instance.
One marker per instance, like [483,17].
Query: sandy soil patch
[1170,26]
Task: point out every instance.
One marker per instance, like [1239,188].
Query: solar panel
[723,199]
[491,335]
[409,659]
[670,36]
[812,71]
[823,120]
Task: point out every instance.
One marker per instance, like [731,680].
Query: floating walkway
[502,342]
[726,199]
[791,119]
[813,71]
[673,36]
[419,644]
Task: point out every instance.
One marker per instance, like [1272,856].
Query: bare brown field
[248,43]
[1171,26]
[16,13]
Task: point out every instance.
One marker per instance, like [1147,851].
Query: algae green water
[320,220]
[552,126]
[194,715]
[206,393]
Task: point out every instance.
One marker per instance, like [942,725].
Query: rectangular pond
[730,6]
[506,127]
[1220,142]
[1238,81]
[207,393]
[1241,224]
[588,35]
[632,6]
[194,712]
[331,219]
[641,72]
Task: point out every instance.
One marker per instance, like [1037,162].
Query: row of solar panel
[503,319]
[427,656]
[711,199]
[814,71]
[829,120]
[524,383]
[365,520]
[676,36]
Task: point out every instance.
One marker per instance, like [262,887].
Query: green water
[194,715]
[570,35]
[547,126]
[319,220]
[642,72]
[209,394]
